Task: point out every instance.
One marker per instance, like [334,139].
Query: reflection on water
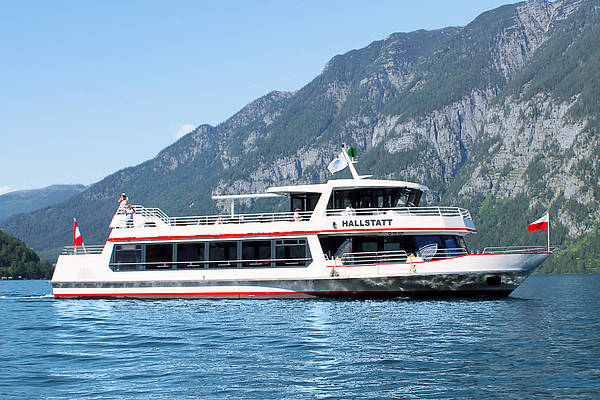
[542,342]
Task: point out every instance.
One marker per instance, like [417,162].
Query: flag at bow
[338,163]
[542,223]
[77,239]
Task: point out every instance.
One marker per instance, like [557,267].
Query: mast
[351,162]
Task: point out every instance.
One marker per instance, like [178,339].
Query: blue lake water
[542,342]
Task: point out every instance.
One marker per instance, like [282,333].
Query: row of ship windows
[221,254]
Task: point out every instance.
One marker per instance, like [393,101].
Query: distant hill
[17,261]
[500,116]
[23,201]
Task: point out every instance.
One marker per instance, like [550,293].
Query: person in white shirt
[297,216]
[123,201]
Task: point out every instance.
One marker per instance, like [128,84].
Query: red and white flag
[541,223]
[77,239]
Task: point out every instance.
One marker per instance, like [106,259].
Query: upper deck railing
[411,211]
[159,216]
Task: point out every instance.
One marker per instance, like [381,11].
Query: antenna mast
[351,162]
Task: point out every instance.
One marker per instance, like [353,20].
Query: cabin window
[335,246]
[159,256]
[290,252]
[256,253]
[190,255]
[222,254]
[443,241]
[382,243]
[126,257]
[219,254]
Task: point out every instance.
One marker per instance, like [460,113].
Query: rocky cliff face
[503,108]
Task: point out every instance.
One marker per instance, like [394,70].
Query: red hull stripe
[431,261]
[309,293]
[126,239]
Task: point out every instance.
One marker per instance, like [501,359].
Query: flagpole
[548,213]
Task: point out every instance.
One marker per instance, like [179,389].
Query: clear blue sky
[90,87]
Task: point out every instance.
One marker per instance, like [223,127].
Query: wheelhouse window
[291,252]
[304,201]
[374,198]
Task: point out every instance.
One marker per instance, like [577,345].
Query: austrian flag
[541,223]
[77,239]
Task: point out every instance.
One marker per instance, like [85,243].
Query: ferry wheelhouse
[356,237]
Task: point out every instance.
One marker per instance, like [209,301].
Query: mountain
[23,201]
[499,116]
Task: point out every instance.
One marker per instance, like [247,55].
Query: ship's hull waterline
[438,285]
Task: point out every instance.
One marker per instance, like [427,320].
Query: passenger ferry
[356,237]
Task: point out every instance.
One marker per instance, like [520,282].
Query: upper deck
[345,205]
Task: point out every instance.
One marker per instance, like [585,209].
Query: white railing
[518,249]
[396,256]
[410,211]
[81,250]
[241,218]
[374,257]
[157,214]
[153,215]
[151,212]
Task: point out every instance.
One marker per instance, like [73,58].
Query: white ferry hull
[466,276]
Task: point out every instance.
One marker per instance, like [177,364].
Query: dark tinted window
[291,252]
[222,254]
[126,257]
[190,255]
[256,253]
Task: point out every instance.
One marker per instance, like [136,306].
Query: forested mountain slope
[17,261]
[500,116]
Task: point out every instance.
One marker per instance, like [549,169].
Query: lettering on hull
[348,223]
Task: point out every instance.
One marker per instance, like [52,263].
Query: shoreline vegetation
[17,261]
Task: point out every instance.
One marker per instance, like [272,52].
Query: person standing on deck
[123,201]
[129,211]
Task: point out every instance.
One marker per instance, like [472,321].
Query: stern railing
[81,250]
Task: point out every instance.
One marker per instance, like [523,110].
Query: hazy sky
[90,87]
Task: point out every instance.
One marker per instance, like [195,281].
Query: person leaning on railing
[129,211]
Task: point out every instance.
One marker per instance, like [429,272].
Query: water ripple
[541,343]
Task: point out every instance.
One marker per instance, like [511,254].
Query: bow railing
[518,249]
